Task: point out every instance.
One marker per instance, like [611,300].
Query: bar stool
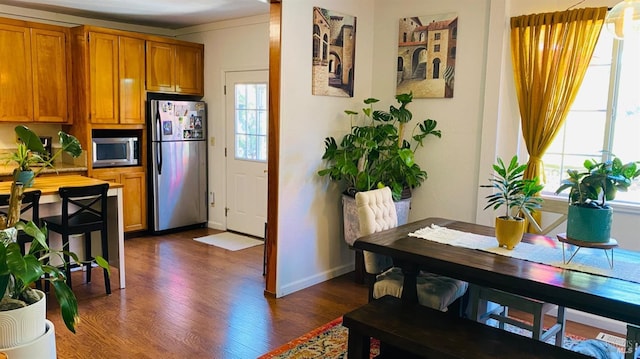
[84,210]
[30,201]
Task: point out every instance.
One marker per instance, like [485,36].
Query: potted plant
[589,217]
[19,272]
[517,195]
[377,153]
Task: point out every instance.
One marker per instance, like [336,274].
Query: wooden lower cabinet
[134,194]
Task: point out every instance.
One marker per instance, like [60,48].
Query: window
[605,116]
[436,36]
[436,48]
[251,122]
[316,41]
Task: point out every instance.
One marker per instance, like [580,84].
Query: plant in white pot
[379,151]
[517,195]
[589,217]
[20,271]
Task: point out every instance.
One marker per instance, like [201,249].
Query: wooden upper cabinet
[189,69]
[161,67]
[50,76]
[103,78]
[175,68]
[132,75]
[16,85]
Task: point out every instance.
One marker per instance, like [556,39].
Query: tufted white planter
[351,223]
[23,325]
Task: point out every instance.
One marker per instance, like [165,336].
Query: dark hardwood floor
[185,299]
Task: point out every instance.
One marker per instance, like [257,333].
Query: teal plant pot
[25,177]
[589,224]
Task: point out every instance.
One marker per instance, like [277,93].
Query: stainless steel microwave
[116,151]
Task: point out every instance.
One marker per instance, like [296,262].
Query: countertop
[51,184]
[7,170]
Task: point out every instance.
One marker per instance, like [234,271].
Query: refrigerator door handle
[159,142]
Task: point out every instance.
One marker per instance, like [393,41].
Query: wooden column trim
[274,145]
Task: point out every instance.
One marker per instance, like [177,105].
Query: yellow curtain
[550,55]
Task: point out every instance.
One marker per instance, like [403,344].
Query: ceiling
[171,14]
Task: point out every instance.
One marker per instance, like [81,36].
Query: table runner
[589,260]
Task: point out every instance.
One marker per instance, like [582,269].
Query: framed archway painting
[426,60]
[334,45]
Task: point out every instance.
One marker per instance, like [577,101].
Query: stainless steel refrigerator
[178,164]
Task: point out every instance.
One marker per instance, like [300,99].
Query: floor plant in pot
[379,151]
[517,195]
[589,217]
[19,272]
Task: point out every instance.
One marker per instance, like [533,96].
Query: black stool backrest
[85,198]
[30,200]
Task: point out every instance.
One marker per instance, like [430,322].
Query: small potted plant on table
[517,195]
[589,217]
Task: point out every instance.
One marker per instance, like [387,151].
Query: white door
[246,161]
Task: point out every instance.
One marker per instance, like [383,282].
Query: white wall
[234,45]
[310,244]
[452,161]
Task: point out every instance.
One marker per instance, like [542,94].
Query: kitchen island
[50,204]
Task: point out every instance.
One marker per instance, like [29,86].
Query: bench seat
[428,333]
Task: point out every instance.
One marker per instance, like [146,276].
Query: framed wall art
[427,55]
[334,44]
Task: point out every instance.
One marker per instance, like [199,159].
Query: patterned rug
[330,342]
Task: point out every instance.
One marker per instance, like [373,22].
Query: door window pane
[251,122]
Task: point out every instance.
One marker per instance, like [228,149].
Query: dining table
[598,294]
[51,204]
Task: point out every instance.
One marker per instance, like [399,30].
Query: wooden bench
[424,332]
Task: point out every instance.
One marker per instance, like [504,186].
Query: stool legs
[87,255]
[65,247]
[105,254]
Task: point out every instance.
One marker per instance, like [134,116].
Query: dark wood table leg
[358,345]
[409,289]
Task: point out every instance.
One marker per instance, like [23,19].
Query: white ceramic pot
[43,347]
[23,325]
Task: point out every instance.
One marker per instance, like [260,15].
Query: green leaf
[68,304]
[370,100]
[70,144]
[349,112]
[29,138]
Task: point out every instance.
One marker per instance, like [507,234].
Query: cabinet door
[189,70]
[161,69]
[16,86]
[49,61]
[107,176]
[132,72]
[103,60]
[134,200]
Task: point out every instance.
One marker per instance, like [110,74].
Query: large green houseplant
[18,271]
[377,152]
[517,195]
[589,217]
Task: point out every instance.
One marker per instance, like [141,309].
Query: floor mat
[230,241]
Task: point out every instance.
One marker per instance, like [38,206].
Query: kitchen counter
[50,204]
[7,170]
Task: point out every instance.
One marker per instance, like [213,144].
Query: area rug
[330,342]
[230,241]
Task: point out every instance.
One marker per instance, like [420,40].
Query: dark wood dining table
[600,295]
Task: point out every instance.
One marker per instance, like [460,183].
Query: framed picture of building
[334,44]
[427,55]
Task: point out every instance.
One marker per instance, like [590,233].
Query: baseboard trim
[596,321]
[313,280]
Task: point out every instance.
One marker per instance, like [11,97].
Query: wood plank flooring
[186,299]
